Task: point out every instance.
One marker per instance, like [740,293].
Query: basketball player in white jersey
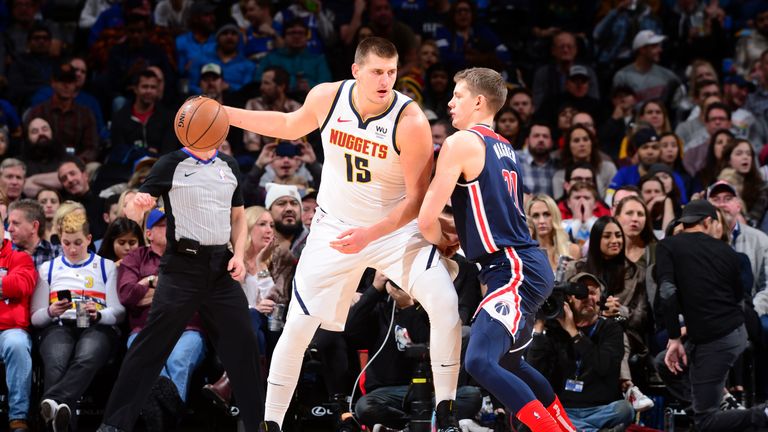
[378,159]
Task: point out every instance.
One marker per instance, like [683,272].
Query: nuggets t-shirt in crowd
[198,195]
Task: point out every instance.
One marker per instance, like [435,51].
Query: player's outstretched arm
[289,126]
[450,165]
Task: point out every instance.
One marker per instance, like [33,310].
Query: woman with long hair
[545,226]
[740,156]
[639,239]
[122,236]
[76,307]
[625,299]
[705,162]
[509,124]
[659,208]
[581,146]
[50,200]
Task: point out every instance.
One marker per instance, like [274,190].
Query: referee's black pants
[189,284]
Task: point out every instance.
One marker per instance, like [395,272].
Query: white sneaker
[639,401]
[48,408]
[62,418]
[469,425]
[729,402]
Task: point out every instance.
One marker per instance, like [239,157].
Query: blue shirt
[630,175]
[312,67]
[188,48]
[236,72]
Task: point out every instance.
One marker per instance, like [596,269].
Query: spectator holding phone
[76,304]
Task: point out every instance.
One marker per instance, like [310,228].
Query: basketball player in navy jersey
[478,171]
[378,158]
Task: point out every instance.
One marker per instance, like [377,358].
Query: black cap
[64,73]
[643,137]
[721,186]
[698,210]
[660,167]
[740,81]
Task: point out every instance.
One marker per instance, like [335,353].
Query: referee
[198,273]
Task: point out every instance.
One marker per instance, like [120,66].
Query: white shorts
[326,280]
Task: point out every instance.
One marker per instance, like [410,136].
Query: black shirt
[705,273]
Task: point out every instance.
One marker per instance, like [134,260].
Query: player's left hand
[351,241]
[236,268]
[449,244]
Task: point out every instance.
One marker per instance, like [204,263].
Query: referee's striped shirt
[198,195]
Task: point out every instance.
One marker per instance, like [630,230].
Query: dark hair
[714,106]
[520,129]
[374,45]
[646,234]
[295,22]
[38,27]
[622,90]
[583,185]
[630,188]
[566,157]
[75,160]
[110,201]
[677,165]
[517,90]
[612,271]
[117,228]
[580,165]
[33,211]
[282,78]
[753,181]
[144,73]
[712,166]
[703,83]
[451,24]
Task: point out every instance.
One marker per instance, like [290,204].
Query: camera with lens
[552,308]
[420,390]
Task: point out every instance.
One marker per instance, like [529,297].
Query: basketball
[201,124]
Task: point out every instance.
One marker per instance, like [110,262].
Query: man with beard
[43,156]
[144,128]
[285,162]
[236,69]
[74,180]
[536,160]
[284,203]
[200,37]
[12,175]
[74,125]
[273,88]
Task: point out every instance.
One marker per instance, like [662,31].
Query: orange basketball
[201,124]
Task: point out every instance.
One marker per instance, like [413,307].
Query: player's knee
[475,363]
[436,293]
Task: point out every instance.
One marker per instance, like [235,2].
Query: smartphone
[64,295]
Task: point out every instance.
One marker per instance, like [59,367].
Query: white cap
[646,37]
[275,191]
[211,68]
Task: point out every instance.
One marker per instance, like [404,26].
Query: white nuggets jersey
[362,176]
[86,281]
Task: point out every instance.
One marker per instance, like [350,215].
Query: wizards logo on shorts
[502,307]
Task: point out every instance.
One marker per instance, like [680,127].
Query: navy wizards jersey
[488,210]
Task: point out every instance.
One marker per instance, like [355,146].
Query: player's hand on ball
[351,241]
[449,244]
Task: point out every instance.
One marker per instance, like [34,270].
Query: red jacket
[17,287]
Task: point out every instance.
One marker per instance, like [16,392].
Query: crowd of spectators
[620,111]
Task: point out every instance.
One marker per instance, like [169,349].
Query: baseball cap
[210,68]
[310,193]
[275,191]
[155,216]
[643,137]
[584,275]
[740,81]
[578,71]
[659,168]
[646,37]
[721,186]
[146,161]
[64,73]
[697,210]
[227,27]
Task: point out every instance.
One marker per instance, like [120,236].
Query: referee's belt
[193,247]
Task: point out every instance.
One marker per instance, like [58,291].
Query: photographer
[387,400]
[580,352]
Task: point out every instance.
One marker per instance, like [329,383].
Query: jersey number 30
[510,177]
[357,169]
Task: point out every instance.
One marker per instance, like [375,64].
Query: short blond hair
[485,82]
[75,222]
